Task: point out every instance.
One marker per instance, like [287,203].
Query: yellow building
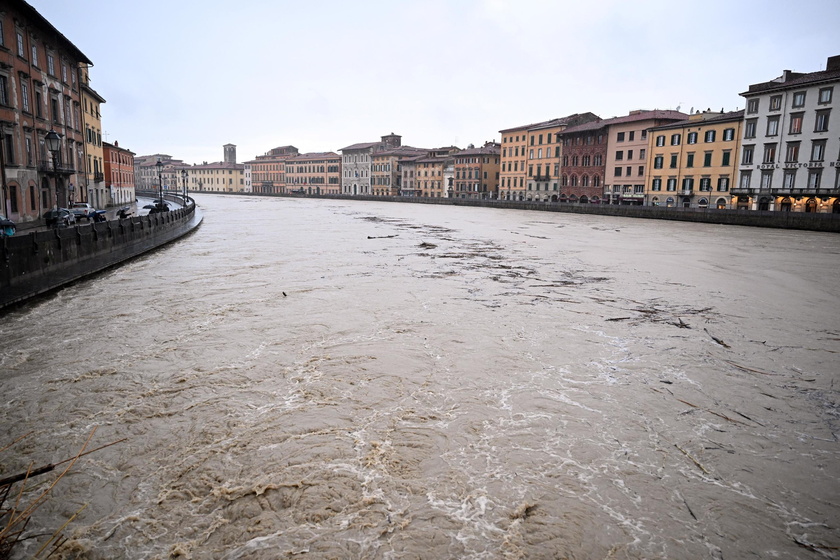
[692,163]
[223,176]
[94,189]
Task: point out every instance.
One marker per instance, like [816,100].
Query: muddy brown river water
[319,379]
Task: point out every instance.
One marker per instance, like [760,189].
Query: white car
[83,210]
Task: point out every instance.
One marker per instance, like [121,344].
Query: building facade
[39,93]
[119,174]
[627,149]
[268,171]
[583,162]
[477,172]
[790,144]
[223,176]
[314,173]
[357,164]
[530,158]
[93,188]
[692,162]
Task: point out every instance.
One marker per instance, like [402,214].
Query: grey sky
[184,78]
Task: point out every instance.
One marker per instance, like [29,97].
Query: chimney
[833,63]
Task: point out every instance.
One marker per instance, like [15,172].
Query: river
[337,379]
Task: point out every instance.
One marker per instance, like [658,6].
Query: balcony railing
[98,177]
[541,178]
[60,168]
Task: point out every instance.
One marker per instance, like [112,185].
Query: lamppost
[53,141]
[184,176]
[159,166]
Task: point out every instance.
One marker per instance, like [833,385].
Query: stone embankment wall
[41,261]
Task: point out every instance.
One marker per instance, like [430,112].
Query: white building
[790,148]
[356,164]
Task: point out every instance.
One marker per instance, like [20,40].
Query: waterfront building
[385,171]
[603,161]
[92,189]
[247,170]
[222,176]
[408,173]
[477,172]
[119,174]
[790,145]
[692,162]
[39,92]
[357,164]
[268,171]
[530,158]
[146,171]
[313,173]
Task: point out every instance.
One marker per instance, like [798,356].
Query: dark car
[59,217]
[7,226]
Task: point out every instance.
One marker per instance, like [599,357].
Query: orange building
[530,158]
[313,173]
[119,173]
[476,172]
[268,171]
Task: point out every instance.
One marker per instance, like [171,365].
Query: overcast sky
[184,78]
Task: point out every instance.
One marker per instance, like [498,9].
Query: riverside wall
[42,261]
[754,218]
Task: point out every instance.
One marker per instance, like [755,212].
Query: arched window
[584,181]
[574,180]
[596,180]
[565,181]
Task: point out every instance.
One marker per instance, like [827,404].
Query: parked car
[7,226]
[83,210]
[59,217]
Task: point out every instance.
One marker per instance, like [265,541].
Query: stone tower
[230,153]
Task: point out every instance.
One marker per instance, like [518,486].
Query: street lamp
[184,176]
[159,166]
[53,141]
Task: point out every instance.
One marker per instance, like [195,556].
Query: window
[789,179]
[34,53]
[796,123]
[689,160]
[775,102]
[746,178]
[688,184]
[706,184]
[821,123]
[674,161]
[750,128]
[629,154]
[772,126]
[620,137]
[619,155]
[38,104]
[799,99]
[4,90]
[723,184]
[24,94]
[709,136]
[641,170]
[825,95]
[21,51]
[814,178]
[792,152]
[618,171]
[769,153]
[707,159]
[728,134]
[50,64]
[657,162]
[675,139]
[752,106]
[818,150]
[656,185]
[691,138]
[642,153]
[671,185]
[726,157]
[660,140]
[766,179]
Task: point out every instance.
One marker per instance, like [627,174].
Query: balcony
[541,178]
[98,177]
[60,168]
[685,192]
